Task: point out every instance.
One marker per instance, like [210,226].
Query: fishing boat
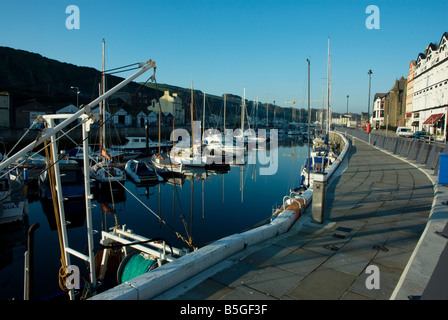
[141,172]
[12,195]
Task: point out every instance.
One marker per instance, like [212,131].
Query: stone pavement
[376,210]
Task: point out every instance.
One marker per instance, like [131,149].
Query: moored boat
[13,203]
[141,172]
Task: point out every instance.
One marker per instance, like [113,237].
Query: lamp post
[347,103]
[368,103]
[77,95]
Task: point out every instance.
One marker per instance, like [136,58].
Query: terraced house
[430,89]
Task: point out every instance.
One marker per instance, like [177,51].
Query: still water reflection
[201,207]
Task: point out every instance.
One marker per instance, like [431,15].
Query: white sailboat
[104,171]
[321,157]
[189,155]
[165,164]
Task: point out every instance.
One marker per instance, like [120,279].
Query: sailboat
[321,157]
[228,148]
[163,164]
[189,155]
[253,137]
[104,171]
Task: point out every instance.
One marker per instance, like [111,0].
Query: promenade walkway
[377,207]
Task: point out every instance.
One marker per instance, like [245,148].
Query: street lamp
[77,95]
[368,108]
[347,103]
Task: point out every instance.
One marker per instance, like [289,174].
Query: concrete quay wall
[151,284]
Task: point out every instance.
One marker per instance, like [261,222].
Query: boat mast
[256,115]
[328,88]
[224,126]
[191,115]
[243,107]
[103,104]
[160,117]
[203,117]
[309,120]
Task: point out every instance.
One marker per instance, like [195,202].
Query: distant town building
[68,109]
[27,114]
[378,110]
[152,118]
[395,104]
[142,119]
[430,97]
[122,118]
[5,119]
[409,119]
[169,104]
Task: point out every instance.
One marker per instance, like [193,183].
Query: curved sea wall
[151,284]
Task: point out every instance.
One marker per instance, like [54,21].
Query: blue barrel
[443,168]
[134,265]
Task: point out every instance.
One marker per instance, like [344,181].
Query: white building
[430,99]
[409,118]
[378,110]
[169,104]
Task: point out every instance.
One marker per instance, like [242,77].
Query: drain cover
[331,247]
[344,229]
[382,248]
[339,235]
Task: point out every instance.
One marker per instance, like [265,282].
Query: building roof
[379,95]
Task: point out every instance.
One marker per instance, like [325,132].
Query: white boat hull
[163,165]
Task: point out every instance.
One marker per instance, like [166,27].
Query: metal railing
[420,152]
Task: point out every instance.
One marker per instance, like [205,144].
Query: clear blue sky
[224,46]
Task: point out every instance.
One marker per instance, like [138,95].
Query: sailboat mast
[191,114]
[328,88]
[256,115]
[160,122]
[224,126]
[309,119]
[103,103]
[203,117]
[243,107]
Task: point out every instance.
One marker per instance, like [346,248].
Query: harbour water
[190,212]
